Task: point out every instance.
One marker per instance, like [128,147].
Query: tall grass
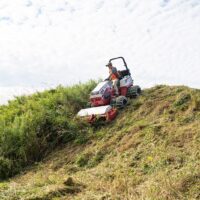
[32,126]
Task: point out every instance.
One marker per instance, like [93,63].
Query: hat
[109,64]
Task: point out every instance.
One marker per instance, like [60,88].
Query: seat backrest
[124,73]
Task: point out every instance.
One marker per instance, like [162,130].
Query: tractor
[103,101]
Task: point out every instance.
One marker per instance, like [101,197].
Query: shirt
[113,73]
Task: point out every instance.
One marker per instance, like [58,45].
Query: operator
[114,77]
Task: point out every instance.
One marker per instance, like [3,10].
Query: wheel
[121,101]
[134,91]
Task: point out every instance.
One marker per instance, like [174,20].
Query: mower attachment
[106,113]
[103,101]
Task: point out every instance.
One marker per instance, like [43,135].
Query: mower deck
[106,112]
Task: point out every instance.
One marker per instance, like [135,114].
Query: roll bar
[123,62]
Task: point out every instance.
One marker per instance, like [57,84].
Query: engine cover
[101,88]
[126,81]
[101,95]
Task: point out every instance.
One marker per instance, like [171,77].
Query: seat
[124,73]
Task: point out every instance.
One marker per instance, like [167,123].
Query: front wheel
[121,101]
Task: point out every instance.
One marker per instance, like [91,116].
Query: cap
[109,64]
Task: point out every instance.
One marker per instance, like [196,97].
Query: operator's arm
[109,78]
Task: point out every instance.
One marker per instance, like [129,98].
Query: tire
[134,91]
[121,101]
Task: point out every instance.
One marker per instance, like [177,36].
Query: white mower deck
[101,110]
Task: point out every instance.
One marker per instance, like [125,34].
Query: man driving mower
[114,77]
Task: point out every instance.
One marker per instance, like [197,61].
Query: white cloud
[63,42]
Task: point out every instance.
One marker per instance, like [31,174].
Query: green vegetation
[151,151]
[31,127]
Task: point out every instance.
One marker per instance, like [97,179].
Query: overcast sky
[44,43]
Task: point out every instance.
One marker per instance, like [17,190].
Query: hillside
[151,151]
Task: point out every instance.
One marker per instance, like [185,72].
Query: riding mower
[103,101]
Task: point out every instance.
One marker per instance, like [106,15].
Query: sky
[44,43]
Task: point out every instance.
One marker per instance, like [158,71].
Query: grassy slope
[151,151]
[32,126]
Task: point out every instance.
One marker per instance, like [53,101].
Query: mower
[104,104]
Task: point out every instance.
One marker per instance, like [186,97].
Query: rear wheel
[134,91]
